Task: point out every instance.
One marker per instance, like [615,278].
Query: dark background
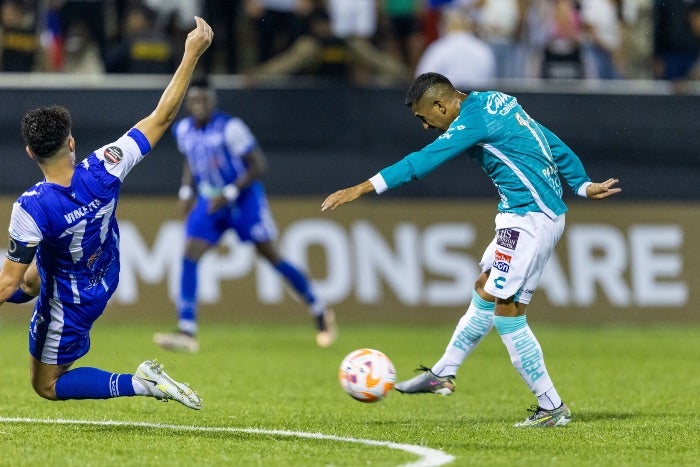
[321,138]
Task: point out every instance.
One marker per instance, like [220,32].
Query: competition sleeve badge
[113,154]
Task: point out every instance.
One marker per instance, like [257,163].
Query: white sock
[527,358]
[187,326]
[139,387]
[550,400]
[471,329]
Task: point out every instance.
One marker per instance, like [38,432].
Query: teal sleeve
[455,141]
[569,165]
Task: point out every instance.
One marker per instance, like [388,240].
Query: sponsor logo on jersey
[507,238]
[113,154]
[499,103]
[93,258]
[502,261]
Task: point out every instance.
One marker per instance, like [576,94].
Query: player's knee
[44,389]
[479,287]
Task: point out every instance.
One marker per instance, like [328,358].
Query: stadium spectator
[143,49]
[466,60]
[676,40]
[406,41]
[524,160]
[499,25]
[225,51]
[602,37]
[221,191]
[93,15]
[277,24]
[562,49]
[321,53]
[81,52]
[68,254]
[19,42]
[356,24]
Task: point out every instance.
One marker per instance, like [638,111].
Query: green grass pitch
[271,397]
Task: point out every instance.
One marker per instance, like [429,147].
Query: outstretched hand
[199,39]
[346,195]
[336,199]
[603,189]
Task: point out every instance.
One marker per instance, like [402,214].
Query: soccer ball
[367,375]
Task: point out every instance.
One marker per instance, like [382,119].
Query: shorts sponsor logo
[113,154]
[501,261]
[498,282]
[507,238]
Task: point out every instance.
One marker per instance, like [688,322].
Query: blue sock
[93,383]
[297,280]
[187,308]
[19,296]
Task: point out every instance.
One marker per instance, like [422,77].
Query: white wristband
[582,190]
[230,192]
[185,192]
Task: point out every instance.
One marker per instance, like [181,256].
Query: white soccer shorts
[519,252]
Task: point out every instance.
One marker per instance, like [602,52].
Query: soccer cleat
[176,341]
[161,386]
[327,329]
[542,418]
[427,382]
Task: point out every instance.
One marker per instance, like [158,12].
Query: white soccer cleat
[161,386]
[176,341]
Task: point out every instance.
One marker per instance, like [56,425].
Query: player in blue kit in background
[221,190]
[524,160]
[67,223]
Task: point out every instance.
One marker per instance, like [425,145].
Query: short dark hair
[422,84]
[46,129]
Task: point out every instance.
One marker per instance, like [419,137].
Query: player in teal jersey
[526,162]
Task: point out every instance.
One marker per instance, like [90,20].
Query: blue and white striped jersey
[214,152]
[523,158]
[75,227]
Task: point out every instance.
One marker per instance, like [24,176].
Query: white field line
[428,457]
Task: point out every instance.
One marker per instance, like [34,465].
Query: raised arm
[155,125]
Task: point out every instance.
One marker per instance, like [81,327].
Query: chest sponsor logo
[499,103]
[507,238]
[113,154]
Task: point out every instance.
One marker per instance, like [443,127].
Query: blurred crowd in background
[361,41]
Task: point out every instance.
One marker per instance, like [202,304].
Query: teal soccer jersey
[523,158]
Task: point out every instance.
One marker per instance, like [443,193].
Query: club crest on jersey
[501,261]
[113,154]
[507,238]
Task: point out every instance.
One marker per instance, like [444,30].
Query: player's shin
[93,383]
[527,358]
[476,323]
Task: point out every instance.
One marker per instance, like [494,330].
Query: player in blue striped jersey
[221,190]
[526,163]
[64,245]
